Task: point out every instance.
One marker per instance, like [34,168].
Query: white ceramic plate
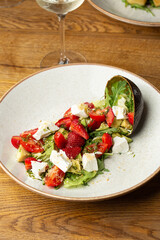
[116,9]
[46,95]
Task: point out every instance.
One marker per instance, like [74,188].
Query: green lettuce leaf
[74,180]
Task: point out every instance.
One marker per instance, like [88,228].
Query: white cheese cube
[79,110]
[119,112]
[38,168]
[120,145]
[121,102]
[89,162]
[45,129]
[60,160]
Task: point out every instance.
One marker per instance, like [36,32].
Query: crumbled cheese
[38,168]
[120,145]
[89,162]
[45,129]
[119,112]
[79,110]
[60,160]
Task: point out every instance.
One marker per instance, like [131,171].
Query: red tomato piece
[64,122]
[15,140]
[28,164]
[60,140]
[93,125]
[98,115]
[28,133]
[91,148]
[102,147]
[31,145]
[110,117]
[79,129]
[90,105]
[54,177]
[107,139]
[131,117]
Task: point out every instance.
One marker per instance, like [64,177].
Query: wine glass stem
[63,58]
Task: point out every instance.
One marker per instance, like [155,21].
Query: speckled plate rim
[123,19]
[78,199]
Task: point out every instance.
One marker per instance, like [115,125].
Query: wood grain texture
[27,33]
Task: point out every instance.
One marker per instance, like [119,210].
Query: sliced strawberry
[70,115]
[72,152]
[75,140]
[110,117]
[107,139]
[90,105]
[98,115]
[54,177]
[15,140]
[79,129]
[60,140]
[28,164]
[67,113]
[131,117]
[64,122]
[93,125]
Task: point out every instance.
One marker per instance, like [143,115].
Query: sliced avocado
[139,2]
[76,167]
[22,154]
[125,124]
[116,123]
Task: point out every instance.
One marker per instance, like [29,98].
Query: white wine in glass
[61,8]
[9,3]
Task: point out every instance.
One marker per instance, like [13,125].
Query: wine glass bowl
[61,8]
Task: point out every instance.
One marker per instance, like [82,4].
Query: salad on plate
[72,150]
[146,5]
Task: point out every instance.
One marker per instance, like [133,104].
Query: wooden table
[27,33]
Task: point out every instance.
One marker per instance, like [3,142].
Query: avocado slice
[139,2]
[22,154]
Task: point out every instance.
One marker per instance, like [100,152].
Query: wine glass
[61,8]
[9,3]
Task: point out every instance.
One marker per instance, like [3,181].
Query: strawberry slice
[54,177]
[72,152]
[67,113]
[75,140]
[28,164]
[131,117]
[107,139]
[93,125]
[60,140]
[64,122]
[79,129]
[110,117]
[70,115]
